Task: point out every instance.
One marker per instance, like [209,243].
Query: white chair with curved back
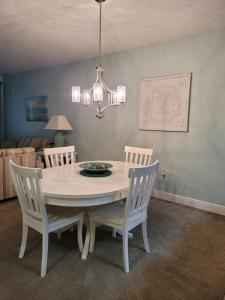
[55,157]
[141,156]
[125,216]
[27,183]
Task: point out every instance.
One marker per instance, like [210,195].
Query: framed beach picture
[36,108]
[164,103]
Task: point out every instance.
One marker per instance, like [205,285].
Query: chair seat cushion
[113,214]
[110,213]
[59,215]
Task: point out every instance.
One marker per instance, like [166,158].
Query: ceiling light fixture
[95,96]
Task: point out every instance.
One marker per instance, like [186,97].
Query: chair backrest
[29,191]
[60,156]
[140,189]
[139,156]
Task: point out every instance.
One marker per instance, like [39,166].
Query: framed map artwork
[164,103]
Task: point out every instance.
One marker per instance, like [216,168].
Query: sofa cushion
[38,143]
[8,144]
[45,143]
[27,141]
[20,141]
[35,142]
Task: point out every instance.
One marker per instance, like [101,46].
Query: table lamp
[59,123]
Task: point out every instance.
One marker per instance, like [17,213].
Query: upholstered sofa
[21,156]
[38,143]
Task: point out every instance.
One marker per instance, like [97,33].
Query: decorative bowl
[95,167]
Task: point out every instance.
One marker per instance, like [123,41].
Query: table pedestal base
[87,242]
[88,237]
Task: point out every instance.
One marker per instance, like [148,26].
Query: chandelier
[99,96]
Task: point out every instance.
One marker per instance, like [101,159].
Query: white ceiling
[35,34]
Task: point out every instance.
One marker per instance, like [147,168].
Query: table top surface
[67,182]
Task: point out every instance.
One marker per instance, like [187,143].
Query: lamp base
[59,139]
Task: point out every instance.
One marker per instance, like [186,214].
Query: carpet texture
[187,260]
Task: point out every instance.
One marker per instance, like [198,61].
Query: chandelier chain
[100,34]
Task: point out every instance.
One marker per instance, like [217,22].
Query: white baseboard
[199,204]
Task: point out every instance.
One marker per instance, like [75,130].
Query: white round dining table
[65,186]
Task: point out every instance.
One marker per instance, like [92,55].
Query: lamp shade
[58,122]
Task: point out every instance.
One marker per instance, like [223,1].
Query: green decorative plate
[95,167]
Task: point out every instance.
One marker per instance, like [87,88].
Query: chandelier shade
[99,96]
[76,94]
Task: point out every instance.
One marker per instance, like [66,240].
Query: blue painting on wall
[36,108]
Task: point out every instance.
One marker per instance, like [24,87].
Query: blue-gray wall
[194,161]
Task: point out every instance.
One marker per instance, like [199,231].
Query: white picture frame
[164,103]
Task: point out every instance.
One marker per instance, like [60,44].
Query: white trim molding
[199,204]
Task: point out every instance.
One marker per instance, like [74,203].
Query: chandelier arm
[104,108]
[107,106]
[95,108]
[92,106]
[106,88]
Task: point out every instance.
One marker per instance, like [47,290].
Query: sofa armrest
[23,157]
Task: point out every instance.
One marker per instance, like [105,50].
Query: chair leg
[145,236]
[44,254]
[59,234]
[92,241]
[114,232]
[24,240]
[125,252]
[79,235]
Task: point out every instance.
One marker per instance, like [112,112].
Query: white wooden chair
[141,156]
[55,157]
[60,156]
[125,216]
[28,187]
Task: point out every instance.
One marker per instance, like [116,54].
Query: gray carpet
[187,260]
